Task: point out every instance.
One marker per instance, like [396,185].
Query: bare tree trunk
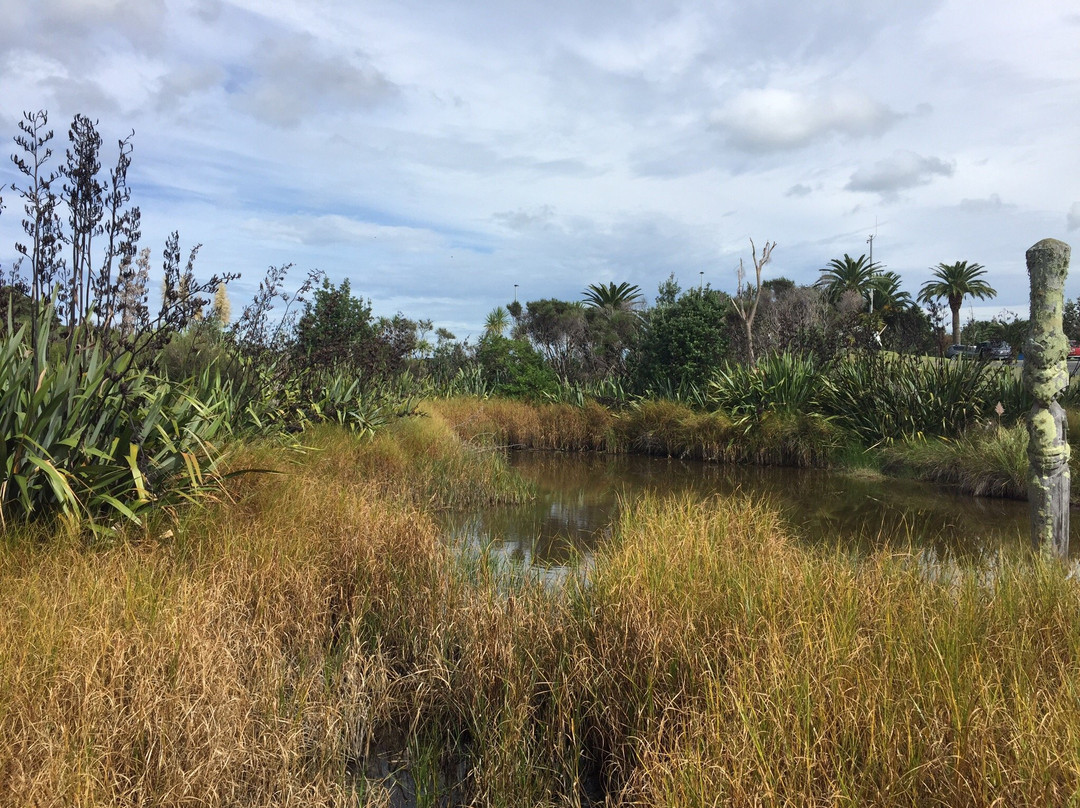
[747,309]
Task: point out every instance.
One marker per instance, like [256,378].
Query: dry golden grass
[657,427]
[293,645]
[521,424]
[783,676]
[216,666]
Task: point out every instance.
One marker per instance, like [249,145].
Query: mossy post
[1046,375]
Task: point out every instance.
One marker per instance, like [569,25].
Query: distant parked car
[994,349]
[1074,349]
[962,351]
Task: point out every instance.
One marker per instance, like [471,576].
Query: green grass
[983,462]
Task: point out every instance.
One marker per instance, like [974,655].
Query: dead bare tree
[747,299]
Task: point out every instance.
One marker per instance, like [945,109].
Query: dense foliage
[684,342]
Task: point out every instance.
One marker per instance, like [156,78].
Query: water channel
[578,496]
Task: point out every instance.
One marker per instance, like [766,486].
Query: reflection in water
[578,496]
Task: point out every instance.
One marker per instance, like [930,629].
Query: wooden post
[1046,375]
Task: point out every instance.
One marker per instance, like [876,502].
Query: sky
[445,155]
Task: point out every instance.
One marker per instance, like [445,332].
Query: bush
[782,382]
[886,397]
[683,342]
[90,438]
[514,369]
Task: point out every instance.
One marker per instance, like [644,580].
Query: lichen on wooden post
[1046,375]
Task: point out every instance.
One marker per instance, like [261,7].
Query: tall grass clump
[754,671]
[777,409]
[670,429]
[423,460]
[610,392]
[779,382]
[984,462]
[526,425]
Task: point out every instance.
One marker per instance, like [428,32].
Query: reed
[656,427]
[757,672]
[984,461]
[524,425]
[990,461]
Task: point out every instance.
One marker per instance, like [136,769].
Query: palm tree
[887,292]
[848,274]
[625,296]
[952,282]
[497,321]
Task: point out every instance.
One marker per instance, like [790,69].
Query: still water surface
[578,496]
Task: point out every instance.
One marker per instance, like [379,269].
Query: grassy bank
[663,428]
[295,644]
[986,460]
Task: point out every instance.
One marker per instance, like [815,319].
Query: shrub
[781,382]
[886,397]
[514,369]
[87,437]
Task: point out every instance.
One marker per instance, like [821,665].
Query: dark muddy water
[579,495]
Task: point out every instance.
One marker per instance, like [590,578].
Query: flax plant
[90,439]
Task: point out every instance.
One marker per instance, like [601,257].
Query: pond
[578,496]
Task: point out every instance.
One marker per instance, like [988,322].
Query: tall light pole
[515,292]
[870,241]
[701,280]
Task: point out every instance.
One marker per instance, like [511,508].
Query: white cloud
[185,80]
[521,219]
[904,170]
[337,229]
[990,204]
[776,120]
[73,29]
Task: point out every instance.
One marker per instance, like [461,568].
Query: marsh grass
[313,642]
[424,461]
[524,425]
[984,461]
[770,674]
[654,427]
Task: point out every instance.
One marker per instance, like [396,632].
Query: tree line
[81,259]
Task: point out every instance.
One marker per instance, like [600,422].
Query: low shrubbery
[90,436]
[885,397]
